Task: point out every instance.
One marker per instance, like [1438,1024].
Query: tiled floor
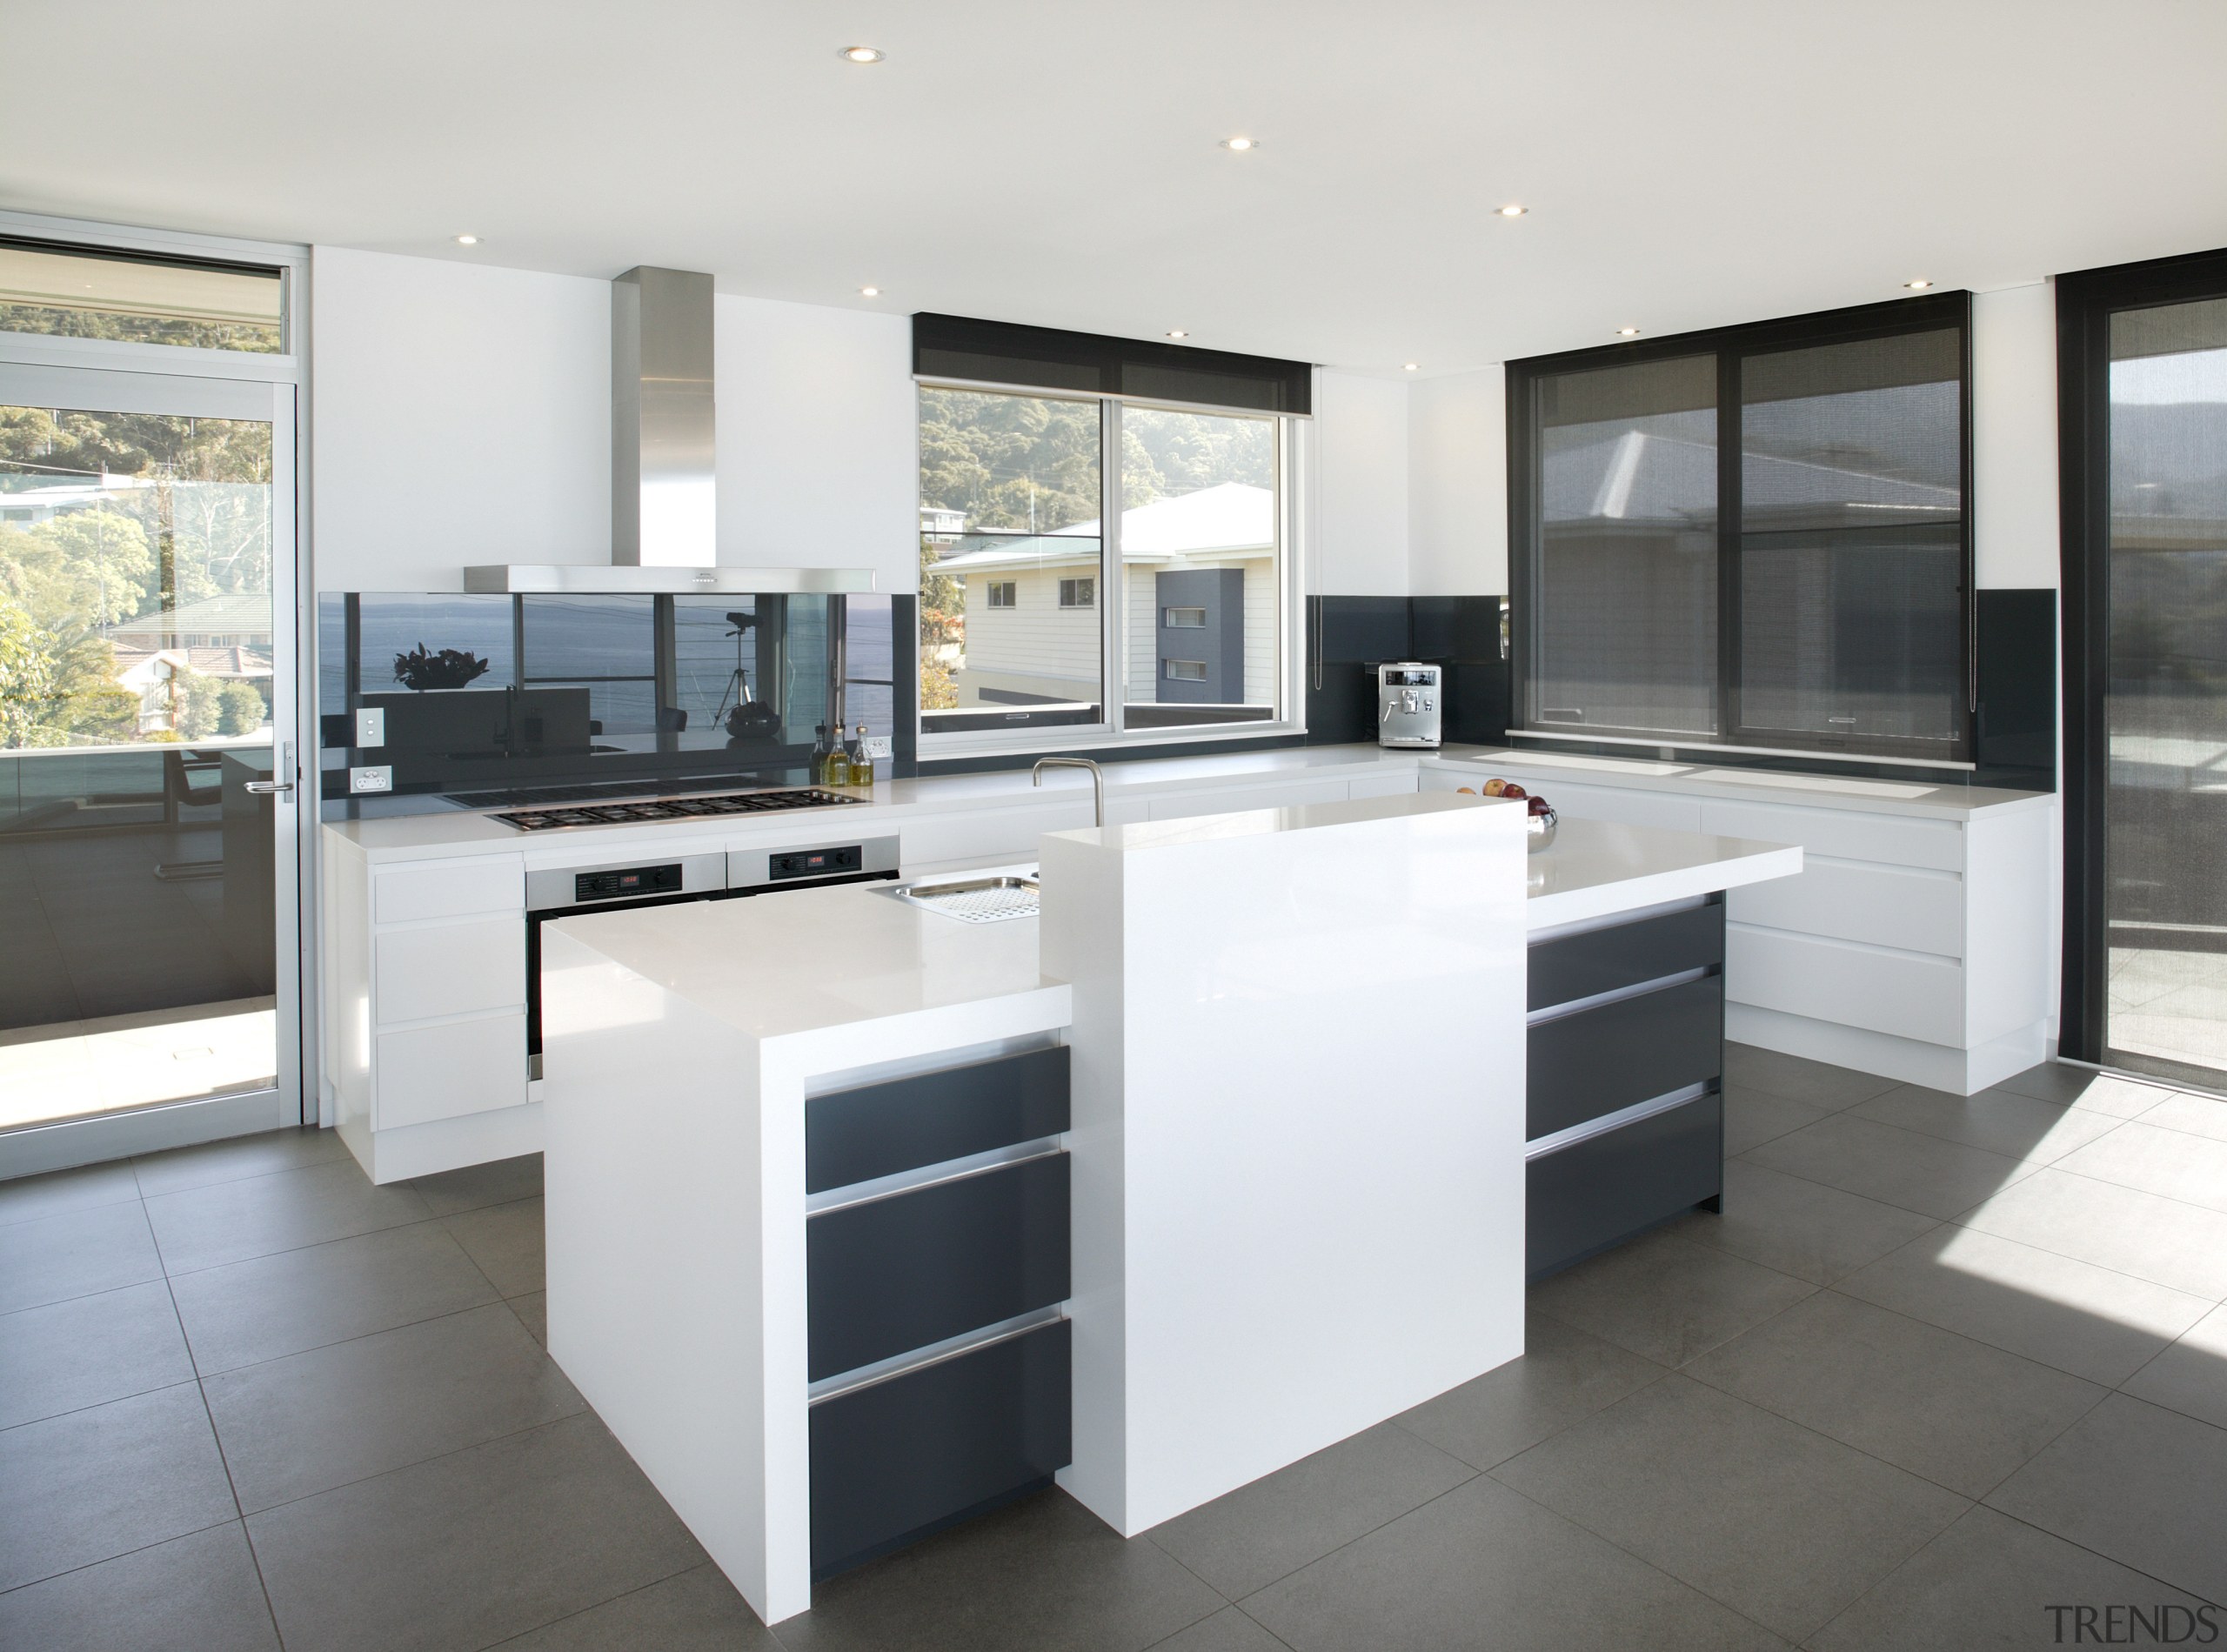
[1944,1362]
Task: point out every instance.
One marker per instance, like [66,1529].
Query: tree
[84,568]
[26,675]
[194,705]
[240,709]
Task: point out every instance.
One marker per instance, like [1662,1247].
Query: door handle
[267,788]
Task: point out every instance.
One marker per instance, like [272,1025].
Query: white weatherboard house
[1032,603]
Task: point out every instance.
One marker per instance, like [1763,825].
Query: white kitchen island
[845,1198]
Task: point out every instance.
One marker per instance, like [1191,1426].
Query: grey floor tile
[2182,1246]
[2089,1321]
[469,1548]
[2145,1485]
[1247,1539]
[230,1221]
[90,1350]
[1228,1630]
[1800,1228]
[1778,1522]
[1796,1078]
[1043,1575]
[1753,1117]
[311,1422]
[2077,1087]
[533,1310]
[1959,1413]
[1983,1586]
[1565,1375]
[298,1299]
[2017,1126]
[2191,1377]
[236,1157]
[500,1183]
[27,1198]
[506,1240]
[694,1611]
[1896,1167]
[195,1594]
[92,1484]
[1665,1298]
[1484,1570]
[74,1252]
[2170,1163]
[2198,1115]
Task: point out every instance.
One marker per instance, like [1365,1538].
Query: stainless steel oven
[560,891]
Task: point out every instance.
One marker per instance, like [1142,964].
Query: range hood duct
[664,461]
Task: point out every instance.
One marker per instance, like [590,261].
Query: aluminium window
[1064,536]
[1754,538]
[99,292]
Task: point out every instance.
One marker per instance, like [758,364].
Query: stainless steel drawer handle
[266,788]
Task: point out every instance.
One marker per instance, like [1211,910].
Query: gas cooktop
[674,809]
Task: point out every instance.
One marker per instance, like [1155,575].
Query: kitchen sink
[985,899]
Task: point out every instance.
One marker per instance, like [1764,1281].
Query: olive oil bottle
[861,764]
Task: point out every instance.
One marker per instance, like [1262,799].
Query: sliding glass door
[2151,483]
[147,836]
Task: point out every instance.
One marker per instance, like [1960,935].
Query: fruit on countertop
[1538,806]
[1509,789]
[1494,788]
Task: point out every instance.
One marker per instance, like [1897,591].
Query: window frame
[1729,347]
[1076,588]
[1060,731]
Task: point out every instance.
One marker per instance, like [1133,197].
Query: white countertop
[1948,799]
[810,959]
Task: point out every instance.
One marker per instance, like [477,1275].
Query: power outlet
[878,745]
[371,727]
[379,779]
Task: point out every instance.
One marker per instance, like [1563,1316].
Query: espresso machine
[1408,705]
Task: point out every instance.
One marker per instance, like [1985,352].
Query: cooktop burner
[674,809]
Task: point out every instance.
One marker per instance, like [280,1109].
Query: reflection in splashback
[489,693]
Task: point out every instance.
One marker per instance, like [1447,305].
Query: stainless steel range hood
[664,463]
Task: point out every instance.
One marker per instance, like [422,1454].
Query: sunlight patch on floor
[77,1069]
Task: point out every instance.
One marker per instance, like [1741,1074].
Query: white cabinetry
[1912,945]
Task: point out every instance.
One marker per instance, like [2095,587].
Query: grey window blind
[1001,352]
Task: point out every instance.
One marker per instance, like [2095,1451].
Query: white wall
[819,464]
[462,414]
[1359,542]
[1457,485]
[458,415]
[2014,436]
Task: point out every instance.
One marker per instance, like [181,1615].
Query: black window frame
[2086,300]
[1926,313]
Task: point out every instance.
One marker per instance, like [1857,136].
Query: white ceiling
[1686,164]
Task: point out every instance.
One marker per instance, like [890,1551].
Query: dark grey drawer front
[1590,1195]
[893,1461]
[879,1129]
[1607,961]
[1619,1055]
[898,1274]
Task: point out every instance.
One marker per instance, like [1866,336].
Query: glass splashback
[493,695]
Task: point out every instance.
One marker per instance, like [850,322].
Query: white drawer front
[451,889]
[1884,837]
[451,969]
[1624,808]
[1287,794]
[429,1073]
[980,832]
[1919,912]
[1828,980]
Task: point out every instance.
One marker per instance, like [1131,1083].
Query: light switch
[371,727]
[380,779]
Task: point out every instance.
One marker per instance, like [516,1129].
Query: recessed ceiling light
[1240,144]
[1512,210]
[1919,284]
[1409,366]
[467,240]
[1626,332]
[1177,333]
[860,54]
[870,292]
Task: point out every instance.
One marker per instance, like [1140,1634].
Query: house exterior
[1033,620]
